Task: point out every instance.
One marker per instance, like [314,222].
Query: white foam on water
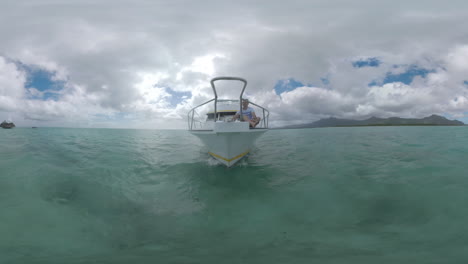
[210,161]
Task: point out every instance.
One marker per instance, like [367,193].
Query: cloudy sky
[145,63]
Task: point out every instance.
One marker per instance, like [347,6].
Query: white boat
[227,141]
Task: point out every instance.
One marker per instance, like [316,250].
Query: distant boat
[228,142]
[6,124]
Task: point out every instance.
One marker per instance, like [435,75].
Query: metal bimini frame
[191,113]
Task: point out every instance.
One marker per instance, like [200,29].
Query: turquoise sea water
[329,195]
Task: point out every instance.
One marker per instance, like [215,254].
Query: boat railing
[191,116]
[224,78]
[265,118]
[198,124]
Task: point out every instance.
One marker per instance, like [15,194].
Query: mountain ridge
[432,120]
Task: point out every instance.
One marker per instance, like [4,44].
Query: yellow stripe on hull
[229,160]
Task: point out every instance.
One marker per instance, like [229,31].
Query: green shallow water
[331,195]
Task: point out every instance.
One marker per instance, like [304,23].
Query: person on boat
[248,114]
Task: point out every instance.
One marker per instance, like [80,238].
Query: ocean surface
[324,195]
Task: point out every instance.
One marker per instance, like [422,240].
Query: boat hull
[229,147]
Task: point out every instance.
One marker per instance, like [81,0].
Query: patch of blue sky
[50,96]
[405,77]
[287,85]
[465,83]
[369,62]
[325,81]
[463,118]
[177,97]
[43,81]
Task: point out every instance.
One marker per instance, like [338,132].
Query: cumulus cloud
[127,62]
[12,82]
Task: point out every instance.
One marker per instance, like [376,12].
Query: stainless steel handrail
[192,111]
[225,78]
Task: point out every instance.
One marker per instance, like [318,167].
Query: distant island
[6,124]
[433,120]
